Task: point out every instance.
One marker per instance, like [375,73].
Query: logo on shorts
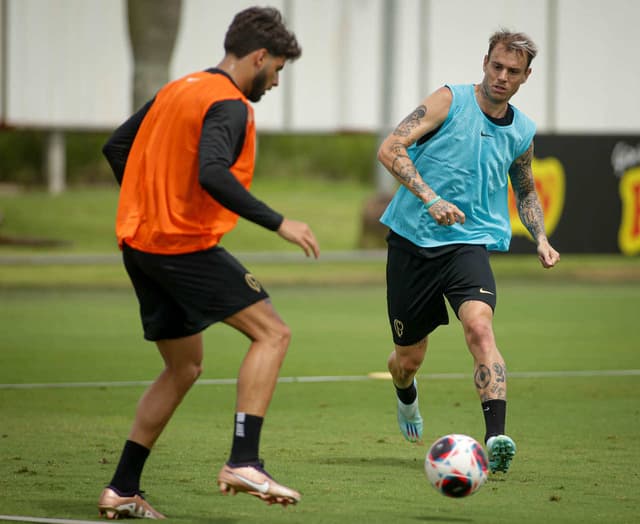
[398,326]
[486,291]
[252,282]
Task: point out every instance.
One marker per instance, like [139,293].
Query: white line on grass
[338,378]
[18,518]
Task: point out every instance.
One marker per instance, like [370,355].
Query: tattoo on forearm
[529,208]
[410,122]
[400,157]
[531,215]
[401,165]
[405,171]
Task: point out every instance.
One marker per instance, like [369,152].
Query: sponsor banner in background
[589,186]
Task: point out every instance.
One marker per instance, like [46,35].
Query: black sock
[495,413]
[126,479]
[407,395]
[246,439]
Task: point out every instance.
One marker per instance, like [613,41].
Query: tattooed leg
[490,375]
[491,380]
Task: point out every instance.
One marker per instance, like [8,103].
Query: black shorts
[180,295]
[418,279]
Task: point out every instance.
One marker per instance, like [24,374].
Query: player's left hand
[301,234]
[548,256]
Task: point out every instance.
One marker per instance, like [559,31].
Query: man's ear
[259,56]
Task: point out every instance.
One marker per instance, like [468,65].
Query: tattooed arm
[529,207]
[393,154]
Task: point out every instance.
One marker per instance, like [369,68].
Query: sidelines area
[374,375]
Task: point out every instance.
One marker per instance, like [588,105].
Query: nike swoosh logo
[482,133]
[260,488]
[484,291]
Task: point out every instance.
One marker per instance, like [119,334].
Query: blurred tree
[153,28]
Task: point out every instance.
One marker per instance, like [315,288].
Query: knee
[479,334]
[186,374]
[196,370]
[280,336]
[407,364]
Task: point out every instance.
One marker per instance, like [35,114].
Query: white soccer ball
[456,465]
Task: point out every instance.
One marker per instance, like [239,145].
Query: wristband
[431,202]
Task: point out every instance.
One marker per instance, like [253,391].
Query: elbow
[113,154]
[389,151]
[107,151]
[383,155]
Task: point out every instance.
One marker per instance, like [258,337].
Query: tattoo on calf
[482,377]
[491,385]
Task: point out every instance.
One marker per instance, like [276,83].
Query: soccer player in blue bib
[454,155]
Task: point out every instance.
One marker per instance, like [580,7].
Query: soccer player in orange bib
[185,162]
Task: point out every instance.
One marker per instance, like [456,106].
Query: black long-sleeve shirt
[221,141]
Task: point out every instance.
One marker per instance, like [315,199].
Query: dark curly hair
[257,28]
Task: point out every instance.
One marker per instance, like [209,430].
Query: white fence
[67,64]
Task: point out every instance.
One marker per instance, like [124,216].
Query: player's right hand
[446,214]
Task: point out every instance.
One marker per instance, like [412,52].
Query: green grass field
[70,333]
[82,220]
[337,442]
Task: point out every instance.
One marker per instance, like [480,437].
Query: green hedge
[332,156]
[22,154]
[337,156]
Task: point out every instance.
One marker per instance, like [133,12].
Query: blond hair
[518,42]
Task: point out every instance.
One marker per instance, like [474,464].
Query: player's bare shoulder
[437,106]
[441,98]
[439,103]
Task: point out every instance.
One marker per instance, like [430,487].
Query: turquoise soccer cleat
[500,450]
[410,420]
